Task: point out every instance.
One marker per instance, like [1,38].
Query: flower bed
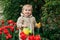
[9,31]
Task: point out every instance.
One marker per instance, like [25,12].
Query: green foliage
[50,20]
[3,36]
[11,11]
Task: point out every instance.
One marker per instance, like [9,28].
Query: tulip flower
[37,37]
[10,22]
[3,27]
[23,36]
[21,33]
[12,29]
[6,27]
[31,37]
[0,29]
[2,21]
[5,31]
[14,24]
[9,35]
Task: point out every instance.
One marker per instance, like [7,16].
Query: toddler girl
[26,19]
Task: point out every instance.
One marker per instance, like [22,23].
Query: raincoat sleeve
[19,22]
[34,24]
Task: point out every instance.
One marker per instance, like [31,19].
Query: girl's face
[27,11]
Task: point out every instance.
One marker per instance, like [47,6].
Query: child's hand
[24,25]
[38,25]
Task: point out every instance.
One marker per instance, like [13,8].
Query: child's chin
[26,16]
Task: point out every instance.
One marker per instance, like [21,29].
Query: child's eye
[29,10]
[26,10]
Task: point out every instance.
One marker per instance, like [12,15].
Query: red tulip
[0,32]
[10,21]
[12,29]
[23,36]
[31,37]
[21,33]
[37,37]
[14,23]
[3,27]
[2,21]
[6,27]
[5,31]
[10,26]
[9,35]
[0,29]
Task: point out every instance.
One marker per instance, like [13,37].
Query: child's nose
[27,11]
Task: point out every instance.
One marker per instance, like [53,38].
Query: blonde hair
[27,5]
